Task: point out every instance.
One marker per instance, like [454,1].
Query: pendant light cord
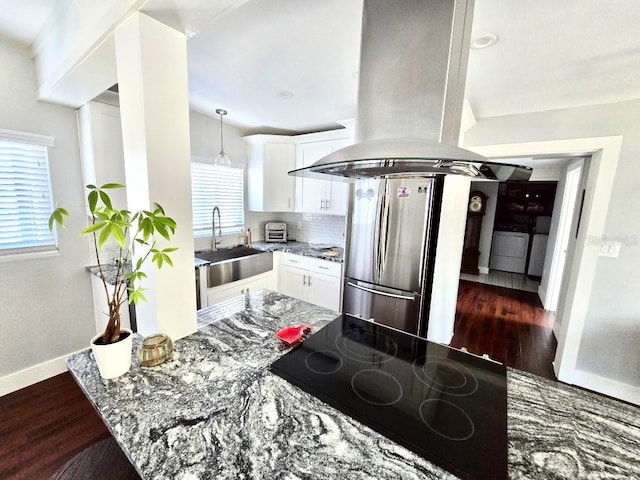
[221,112]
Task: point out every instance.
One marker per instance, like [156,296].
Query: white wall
[47,307]
[205,144]
[611,335]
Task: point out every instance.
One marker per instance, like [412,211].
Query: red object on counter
[293,335]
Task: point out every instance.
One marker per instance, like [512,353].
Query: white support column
[154,109]
[446,272]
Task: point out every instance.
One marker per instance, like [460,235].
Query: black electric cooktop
[447,406]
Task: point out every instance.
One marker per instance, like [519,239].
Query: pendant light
[222,160]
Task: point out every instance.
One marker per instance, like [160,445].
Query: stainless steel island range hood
[413,65]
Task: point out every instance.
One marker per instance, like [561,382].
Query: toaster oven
[275,232]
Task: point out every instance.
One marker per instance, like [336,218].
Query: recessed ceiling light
[285,94]
[356,74]
[484,41]
[190,33]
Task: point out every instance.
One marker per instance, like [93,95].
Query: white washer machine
[509,251]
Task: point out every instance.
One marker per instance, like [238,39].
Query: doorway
[581,267]
[511,316]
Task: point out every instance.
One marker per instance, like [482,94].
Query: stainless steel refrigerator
[391,242]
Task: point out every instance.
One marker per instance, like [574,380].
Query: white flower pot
[113,359]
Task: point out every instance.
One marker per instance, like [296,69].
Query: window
[222,186]
[25,193]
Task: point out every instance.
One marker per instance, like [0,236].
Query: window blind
[25,197]
[222,186]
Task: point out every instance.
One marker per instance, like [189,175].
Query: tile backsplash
[314,227]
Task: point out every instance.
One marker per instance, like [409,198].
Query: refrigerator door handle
[377,292]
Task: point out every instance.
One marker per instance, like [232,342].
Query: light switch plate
[610,249]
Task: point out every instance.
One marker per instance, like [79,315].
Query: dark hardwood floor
[509,325]
[45,425]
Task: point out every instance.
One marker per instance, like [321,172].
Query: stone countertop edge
[297,248]
[109,270]
[216,411]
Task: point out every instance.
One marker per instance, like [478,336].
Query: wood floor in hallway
[508,325]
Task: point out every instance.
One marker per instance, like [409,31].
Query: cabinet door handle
[321,204]
[304,279]
[323,267]
[327,204]
[309,280]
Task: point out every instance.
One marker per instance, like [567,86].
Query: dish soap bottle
[248,237]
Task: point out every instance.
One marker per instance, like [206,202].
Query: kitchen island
[216,411]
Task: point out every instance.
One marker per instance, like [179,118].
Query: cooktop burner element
[445,376]
[446,405]
[364,346]
[376,387]
[446,419]
[323,362]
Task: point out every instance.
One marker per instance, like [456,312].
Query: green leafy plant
[129,231]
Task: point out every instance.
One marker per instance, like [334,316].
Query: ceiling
[549,55]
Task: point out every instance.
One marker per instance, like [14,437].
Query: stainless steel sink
[232,264]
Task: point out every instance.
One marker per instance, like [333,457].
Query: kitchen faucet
[214,242]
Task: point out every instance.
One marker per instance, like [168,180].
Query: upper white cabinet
[320,196]
[269,186]
[101,145]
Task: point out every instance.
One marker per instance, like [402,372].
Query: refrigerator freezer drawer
[394,308]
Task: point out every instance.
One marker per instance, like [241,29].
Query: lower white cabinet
[314,280]
[233,289]
[101,306]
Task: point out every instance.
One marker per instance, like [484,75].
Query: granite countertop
[215,411]
[325,252]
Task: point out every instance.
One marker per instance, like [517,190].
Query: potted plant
[112,349]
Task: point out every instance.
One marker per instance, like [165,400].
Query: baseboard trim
[484,270]
[23,378]
[606,386]
[542,295]
[556,329]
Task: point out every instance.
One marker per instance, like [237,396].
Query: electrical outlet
[299,225]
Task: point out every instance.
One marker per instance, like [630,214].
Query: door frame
[605,153]
[561,247]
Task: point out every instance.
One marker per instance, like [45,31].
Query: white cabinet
[320,196]
[269,186]
[101,146]
[233,289]
[314,280]
[101,306]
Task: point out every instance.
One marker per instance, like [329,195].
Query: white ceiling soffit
[537,162]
